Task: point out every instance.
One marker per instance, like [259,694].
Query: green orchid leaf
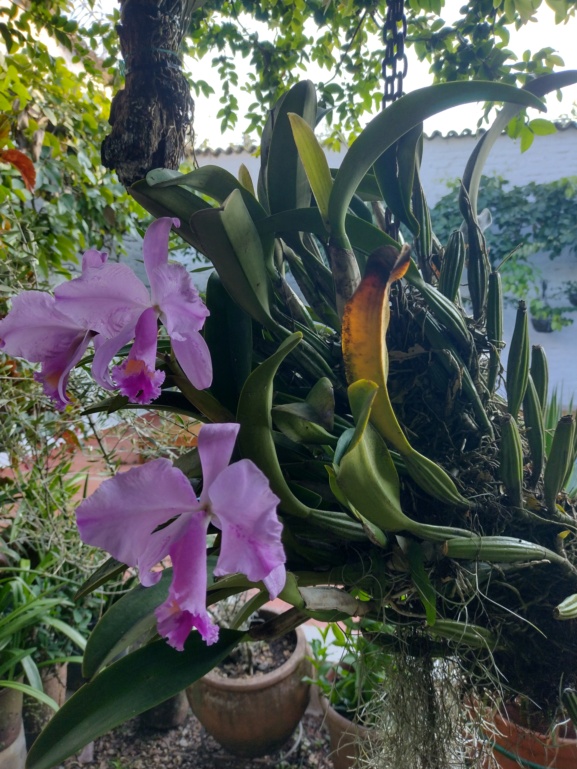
[174,201]
[314,161]
[541,86]
[255,437]
[287,186]
[395,173]
[401,116]
[254,255]
[245,179]
[215,244]
[366,474]
[214,181]
[421,580]
[130,686]
[228,334]
[38,694]
[298,421]
[123,624]
[110,569]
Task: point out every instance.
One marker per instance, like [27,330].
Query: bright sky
[543,33]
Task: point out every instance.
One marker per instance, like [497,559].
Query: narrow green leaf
[287,185]
[255,437]
[314,161]
[388,127]
[125,622]
[248,247]
[110,568]
[132,685]
[540,87]
[421,580]
[216,245]
[38,694]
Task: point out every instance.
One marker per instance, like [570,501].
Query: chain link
[394,66]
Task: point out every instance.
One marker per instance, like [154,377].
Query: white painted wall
[444,159]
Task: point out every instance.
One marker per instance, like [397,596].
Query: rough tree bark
[151,115]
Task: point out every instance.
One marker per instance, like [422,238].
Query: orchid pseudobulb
[150,512]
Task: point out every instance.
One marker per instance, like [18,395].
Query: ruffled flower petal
[137,377]
[105,298]
[186,603]
[245,508]
[182,309]
[123,514]
[37,331]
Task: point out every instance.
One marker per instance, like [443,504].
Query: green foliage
[526,220]
[58,113]
[281,40]
[350,682]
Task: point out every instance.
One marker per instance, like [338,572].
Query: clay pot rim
[510,723]
[265,680]
[345,723]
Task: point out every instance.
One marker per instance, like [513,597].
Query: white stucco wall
[444,159]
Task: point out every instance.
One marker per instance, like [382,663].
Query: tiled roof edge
[239,149]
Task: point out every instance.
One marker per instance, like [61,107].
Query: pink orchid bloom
[152,511]
[37,331]
[113,300]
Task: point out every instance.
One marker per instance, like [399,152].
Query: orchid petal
[155,244]
[188,589]
[106,350]
[194,358]
[122,514]
[215,447]
[34,328]
[136,376]
[245,506]
[182,309]
[173,624]
[105,298]
[56,369]
[93,258]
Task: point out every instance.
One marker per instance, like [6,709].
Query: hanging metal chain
[395,61]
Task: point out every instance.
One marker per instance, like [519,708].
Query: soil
[190,747]
[255,659]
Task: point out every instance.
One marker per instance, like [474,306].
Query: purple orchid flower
[37,331]
[117,305]
[152,511]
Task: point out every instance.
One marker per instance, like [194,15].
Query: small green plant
[350,682]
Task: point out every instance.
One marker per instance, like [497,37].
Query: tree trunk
[151,115]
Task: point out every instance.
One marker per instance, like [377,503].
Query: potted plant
[21,611]
[253,702]
[366,411]
[348,671]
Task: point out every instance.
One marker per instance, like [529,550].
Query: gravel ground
[189,747]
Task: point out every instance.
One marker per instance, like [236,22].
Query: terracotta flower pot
[345,736]
[12,742]
[36,714]
[254,716]
[518,746]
